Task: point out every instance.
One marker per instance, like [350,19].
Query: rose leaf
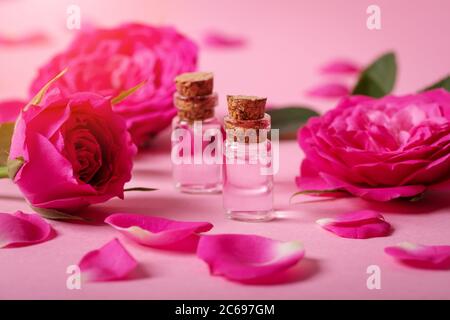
[378,79]
[289,119]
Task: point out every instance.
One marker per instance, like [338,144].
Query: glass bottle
[248,177]
[196,135]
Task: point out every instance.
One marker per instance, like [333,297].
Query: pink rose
[76,151]
[109,61]
[10,109]
[379,149]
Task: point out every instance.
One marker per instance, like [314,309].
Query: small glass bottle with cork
[248,176]
[196,135]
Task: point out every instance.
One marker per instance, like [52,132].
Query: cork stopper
[195,108]
[195,84]
[247,119]
[246,107]
[194,98]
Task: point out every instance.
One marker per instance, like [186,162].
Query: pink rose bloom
[10,110]
[109,61]
[76,151]
[379,149]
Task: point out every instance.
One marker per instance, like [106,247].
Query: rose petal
[9,110]
[441,186]
[309,178]
[110,262]
[357,225]
[429,257]
[36,38]
[247,257]
[329,90]
[155,231]
[23,229]
[312,180]
[340,67]
[381,194]
[216,39]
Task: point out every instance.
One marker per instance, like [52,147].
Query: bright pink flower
[109,61]
[76,151]
[10,110]
[379,149]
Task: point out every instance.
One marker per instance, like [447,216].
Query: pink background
[288,41]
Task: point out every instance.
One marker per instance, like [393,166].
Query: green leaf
[52,214]
[4,172]
[14,166]
[125,94]
[378,79]
[289,119]
[443,83]
[6,132]
[37,99]
[143,189]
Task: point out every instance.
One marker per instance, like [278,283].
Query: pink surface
[287,40]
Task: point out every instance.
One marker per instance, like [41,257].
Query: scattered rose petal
[329,90]
[247,257]
[110,262]
[340,67]
[37,38]
[216,39]
[155,231]
[357,225]
[422,256]
[23,229]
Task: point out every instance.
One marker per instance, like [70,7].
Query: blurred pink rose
[379,149]
[76,151]
[109,61]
